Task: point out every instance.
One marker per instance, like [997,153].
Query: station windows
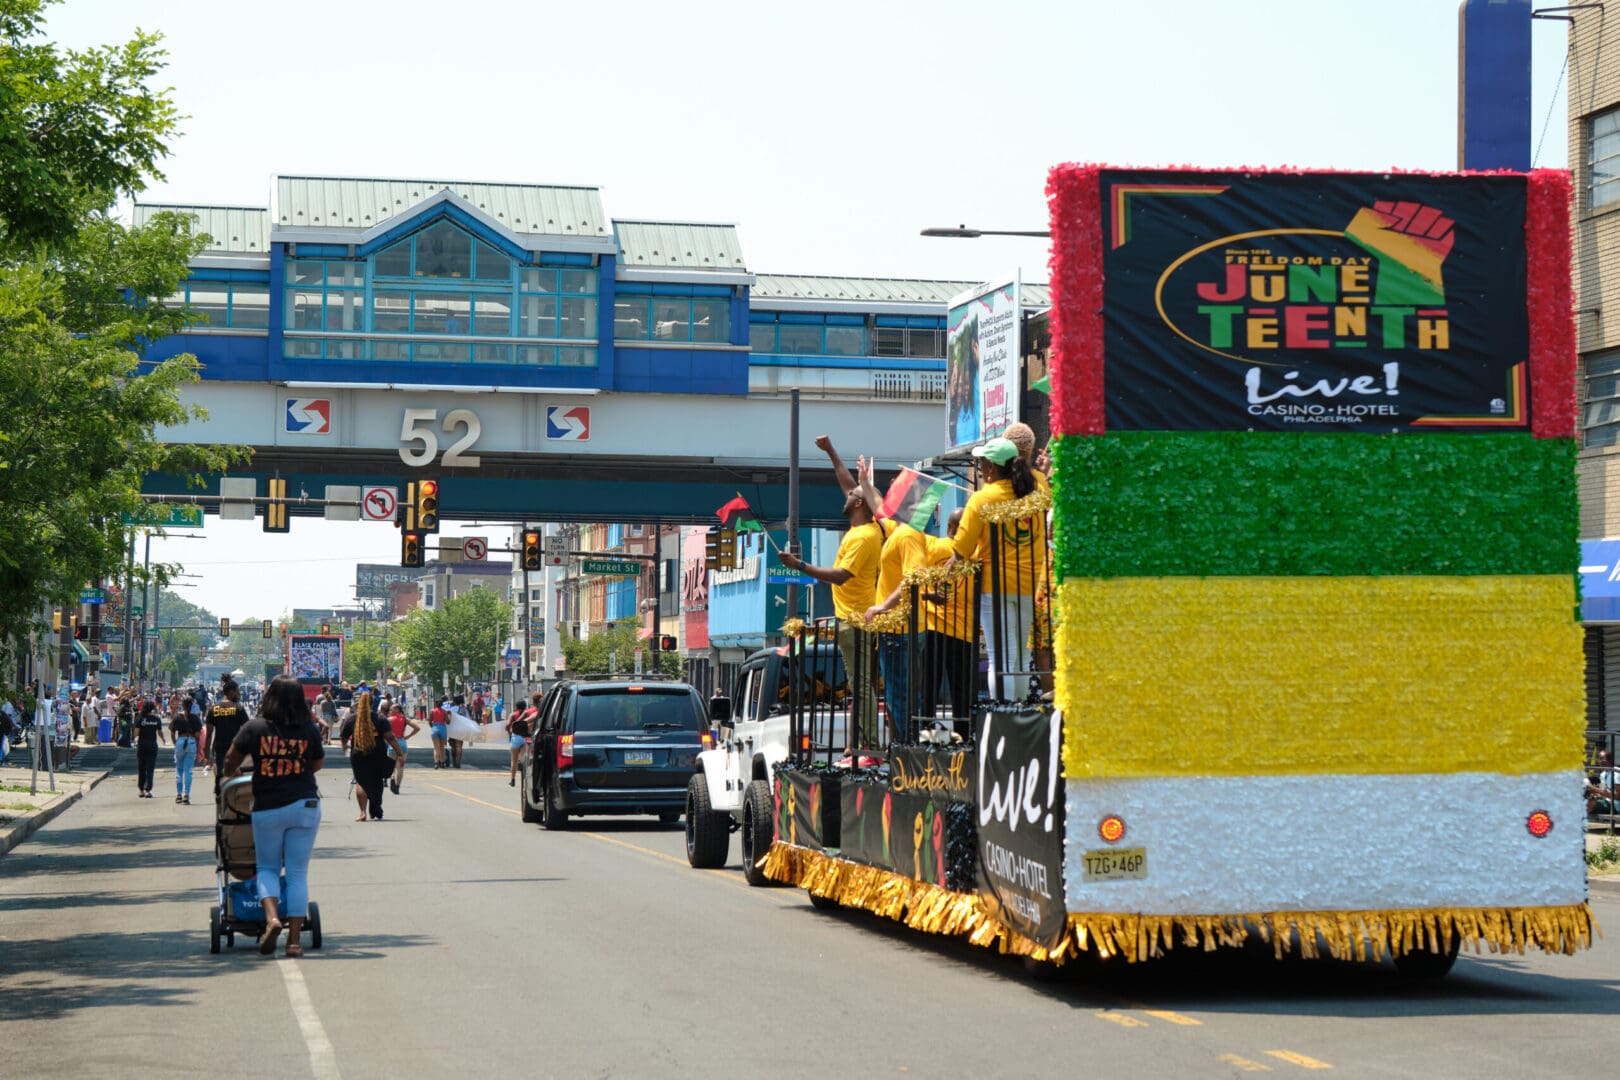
[671,318]
[441,295]
[808,334]
[1601,396]
[233,304]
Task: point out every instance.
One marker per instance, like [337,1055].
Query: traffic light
[267,628]
[711,551]
[80,631]
[410,549]
[56,621]
[275,511]
[224,628]
[427,506]
[728,548]
[666,643]
[532,556]
[326,628]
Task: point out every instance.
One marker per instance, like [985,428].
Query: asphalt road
[462,943]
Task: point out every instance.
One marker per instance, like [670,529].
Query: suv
[620,745]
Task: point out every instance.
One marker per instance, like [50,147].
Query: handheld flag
[737,515]
[912,498]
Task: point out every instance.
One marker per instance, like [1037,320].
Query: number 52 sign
[419,437]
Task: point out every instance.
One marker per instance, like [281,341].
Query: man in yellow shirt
[853,577]
[949,652]
[903,551]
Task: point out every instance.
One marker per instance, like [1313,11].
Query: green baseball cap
[998,450]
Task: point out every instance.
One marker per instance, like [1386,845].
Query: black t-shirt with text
[185,726]
[283,761]
[226,718]
[146,731]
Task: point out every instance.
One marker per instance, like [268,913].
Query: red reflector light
[1539,823]
[634,689]
[804,742]
[565,750]
[1111,828]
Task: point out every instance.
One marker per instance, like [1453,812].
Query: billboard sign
[371,580]
[983,363]
[315,659]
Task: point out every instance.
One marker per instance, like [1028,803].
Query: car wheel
[214,929]
[823,903]
[708,834]
[526,809]
[1424,964]
[757,832]
[552,815]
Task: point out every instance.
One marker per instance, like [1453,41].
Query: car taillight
[565,751]
[708,740]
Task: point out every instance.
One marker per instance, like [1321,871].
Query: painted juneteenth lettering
[953,778]
[1312,302]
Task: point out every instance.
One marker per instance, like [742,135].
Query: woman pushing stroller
[285,744]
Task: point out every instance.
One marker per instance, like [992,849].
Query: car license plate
[638,757]
[1108,864]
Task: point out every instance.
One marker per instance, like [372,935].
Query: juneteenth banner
[1314,302]
[1020,798]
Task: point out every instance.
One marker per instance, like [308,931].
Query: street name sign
[618,567]
[166,517]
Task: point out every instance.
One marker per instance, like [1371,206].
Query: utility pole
[793,496]
[527,629]
[658,589]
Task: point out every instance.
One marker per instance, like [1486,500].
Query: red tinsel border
[1074,201]
[1551,303]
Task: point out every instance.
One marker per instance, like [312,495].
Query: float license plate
[638,757]
[1110,864]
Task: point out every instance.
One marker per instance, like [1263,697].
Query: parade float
[1319,674]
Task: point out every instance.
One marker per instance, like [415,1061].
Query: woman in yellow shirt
[1014,557]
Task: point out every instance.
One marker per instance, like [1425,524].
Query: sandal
[294,952]
[272,934]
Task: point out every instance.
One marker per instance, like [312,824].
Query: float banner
[1314,302]
[946,776]
[314,658]
[807,810]
[866,810]
[1020,818]
[983,363]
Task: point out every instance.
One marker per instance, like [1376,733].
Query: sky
[830,134]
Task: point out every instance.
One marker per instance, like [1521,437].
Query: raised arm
[845,480]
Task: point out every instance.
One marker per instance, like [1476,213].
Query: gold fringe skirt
[1346,935]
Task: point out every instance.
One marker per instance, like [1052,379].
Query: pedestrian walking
[225,719]
[367,742]
[184,729]
[285,744]
[458,707]
[89,716]
[403,728]
[148,733]
[519,726]
[328,713]
[439,728]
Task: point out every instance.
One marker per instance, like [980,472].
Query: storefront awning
[644,633]
[1600,581]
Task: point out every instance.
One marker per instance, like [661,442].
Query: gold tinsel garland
[1035,503]
[1358,935]
[927,579]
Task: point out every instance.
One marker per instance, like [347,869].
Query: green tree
[614,649]
[80,297]
[173,655]
[473,625]
[363,657]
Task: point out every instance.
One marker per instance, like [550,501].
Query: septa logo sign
[309,416]
[568,422]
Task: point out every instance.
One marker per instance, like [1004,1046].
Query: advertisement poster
[983,363]
[1314,302]
[312,658]
[1020,802]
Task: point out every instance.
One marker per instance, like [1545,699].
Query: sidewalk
[22,813]
[1607,884]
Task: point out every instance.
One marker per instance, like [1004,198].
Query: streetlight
[962,232]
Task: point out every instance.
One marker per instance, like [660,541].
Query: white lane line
[322,1058]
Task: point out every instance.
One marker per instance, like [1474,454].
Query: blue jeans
[896,698]
[283,840]
[185,758]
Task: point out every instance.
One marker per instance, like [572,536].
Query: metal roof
[876,290]
[348,203]
[230,228]
[679,244]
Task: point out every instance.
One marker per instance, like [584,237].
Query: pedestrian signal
[267,628]
[224,628]
[80,633]
[532,557]
[410,549]
[427,506]
[275,511]
[666,643]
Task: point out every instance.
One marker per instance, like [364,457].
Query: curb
[1608,886]
[23,828]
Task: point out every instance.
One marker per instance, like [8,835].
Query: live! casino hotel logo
[1338,313]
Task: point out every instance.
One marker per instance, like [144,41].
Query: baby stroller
[238,910]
